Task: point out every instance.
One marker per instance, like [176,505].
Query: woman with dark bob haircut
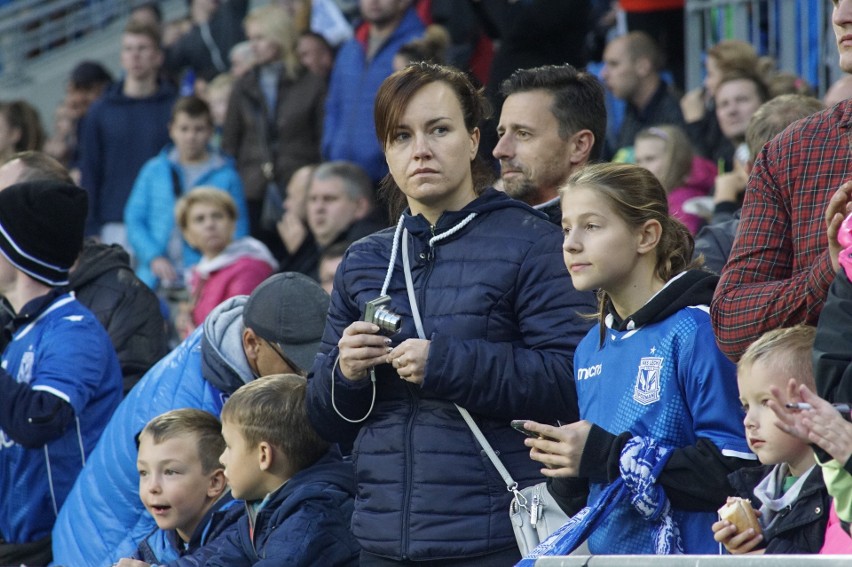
[497,326]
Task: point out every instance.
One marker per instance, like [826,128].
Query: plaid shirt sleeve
[779,269]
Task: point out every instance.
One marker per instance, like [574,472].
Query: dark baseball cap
[289,309]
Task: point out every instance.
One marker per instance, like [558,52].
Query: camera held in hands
[376,313]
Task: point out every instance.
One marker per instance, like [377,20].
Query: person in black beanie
[102,280]
[60,377]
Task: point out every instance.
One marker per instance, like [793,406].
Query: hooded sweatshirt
[658,374]
[130,312]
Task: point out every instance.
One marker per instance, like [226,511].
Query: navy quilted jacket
[305,523]
[503,319]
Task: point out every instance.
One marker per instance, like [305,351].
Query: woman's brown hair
[393,98]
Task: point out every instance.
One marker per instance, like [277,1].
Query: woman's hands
[361,348]
[559,449]
[409,358]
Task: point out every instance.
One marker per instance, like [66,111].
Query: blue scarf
[642,460]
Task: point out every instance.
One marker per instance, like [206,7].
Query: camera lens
[387,320]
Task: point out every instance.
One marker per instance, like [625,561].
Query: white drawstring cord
[394,250]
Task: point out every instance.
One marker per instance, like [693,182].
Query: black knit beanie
[41,228]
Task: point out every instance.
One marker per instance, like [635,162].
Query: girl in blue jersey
[660,427]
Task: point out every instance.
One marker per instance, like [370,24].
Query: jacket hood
[223,360]
[688,289]
[95,260]
[490,200]
[246,247]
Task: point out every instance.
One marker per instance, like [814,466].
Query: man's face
[619,73]
[534,159]
[140,57]
[736,102]
[841,20]
[381,13]
[330,210]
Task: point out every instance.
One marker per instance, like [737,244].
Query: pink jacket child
[665,151]
[237,270]
[698,184]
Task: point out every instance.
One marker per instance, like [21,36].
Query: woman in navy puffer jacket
[500,320]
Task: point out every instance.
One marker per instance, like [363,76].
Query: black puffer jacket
[128,309]
[801,527]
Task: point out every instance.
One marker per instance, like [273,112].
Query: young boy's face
[770,444]
[241,465]
[191,134]
[172,483]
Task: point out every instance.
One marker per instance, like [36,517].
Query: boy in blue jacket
[162,254]
[183,487]
[299,494]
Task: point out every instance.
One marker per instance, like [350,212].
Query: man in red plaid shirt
[780,268]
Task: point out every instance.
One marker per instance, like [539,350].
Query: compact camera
[376,313]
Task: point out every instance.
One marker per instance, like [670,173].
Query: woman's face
[430,152]
[265,49]
[209,228]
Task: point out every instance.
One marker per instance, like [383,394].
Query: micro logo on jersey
[25,370]
[647,388]
[590,372]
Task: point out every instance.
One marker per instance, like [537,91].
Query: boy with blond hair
[299,494]
[788,490]
[183,487]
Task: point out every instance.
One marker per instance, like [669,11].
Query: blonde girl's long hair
[278,25]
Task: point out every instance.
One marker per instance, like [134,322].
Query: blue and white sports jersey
[668,381]
[64,351]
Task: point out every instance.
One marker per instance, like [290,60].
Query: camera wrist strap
[511,485]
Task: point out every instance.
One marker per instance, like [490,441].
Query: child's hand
[560,448]
[726,533]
